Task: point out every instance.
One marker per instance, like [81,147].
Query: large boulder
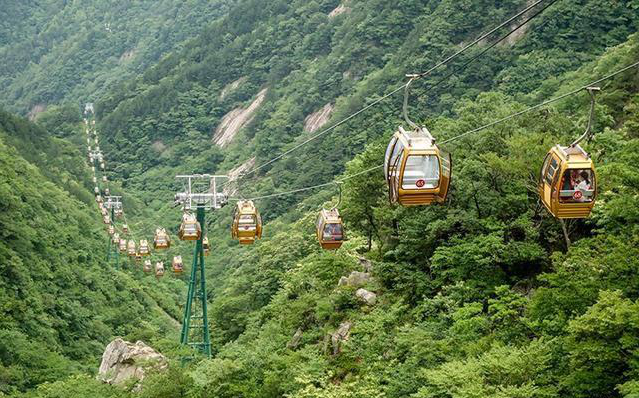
[123,361]
[366,296]
[341,334]
[355,279]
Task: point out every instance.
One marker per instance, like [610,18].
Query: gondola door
[547,183]
[446,172]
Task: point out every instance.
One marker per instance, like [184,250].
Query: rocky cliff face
[123,361]
[233,121]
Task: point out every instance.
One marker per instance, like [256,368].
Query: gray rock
[123,361]
[295,340]
[355,279]
[366,264]
[341,334]
[369,298]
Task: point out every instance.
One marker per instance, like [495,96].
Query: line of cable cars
[247,226]
[418,172]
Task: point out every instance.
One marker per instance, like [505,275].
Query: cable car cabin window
[398,152]
[577,186]
[247,221]
[421,172]
[389,151]
[333,231]
[552,169]
[544,166]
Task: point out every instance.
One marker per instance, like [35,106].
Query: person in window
[333,232]
[584,186]
[570,180]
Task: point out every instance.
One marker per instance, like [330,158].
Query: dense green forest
[57,51]
[479,297]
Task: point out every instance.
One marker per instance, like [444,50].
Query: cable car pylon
[195,324]
[113,203]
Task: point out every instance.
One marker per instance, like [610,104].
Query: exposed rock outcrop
[232,87]
[355,279]
[295,340]
[316,120]
[35,110]
[123,361]
[158,146]
[519,33]
[366,264]
[340,9]
[366,296]
[231,189]
[127,55]
[340,335]
[233,121]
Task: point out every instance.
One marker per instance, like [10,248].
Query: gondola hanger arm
[591,92]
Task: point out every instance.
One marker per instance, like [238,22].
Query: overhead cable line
[474,58]
[484,51]
[475,130]
[541,104]
[314,186]
[400,88]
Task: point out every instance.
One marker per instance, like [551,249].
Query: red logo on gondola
[577,195]
[420,183]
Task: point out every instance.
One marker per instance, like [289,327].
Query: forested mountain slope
[58,50]
[60,303]
[305,58]
[480,297]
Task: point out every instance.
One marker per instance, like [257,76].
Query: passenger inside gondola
[333,232]
[421,171]
[577,186]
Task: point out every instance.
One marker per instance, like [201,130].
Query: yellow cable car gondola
[159,269]
[144,248]
[115,238]
[122,245]
[417,171]
[190,228]
[104,179]
[147,266]
[567,182]
[206,246]
[330,229]
[111,230]
[161,239]
[106,219]
[247,223]
[131,248]
[125,228]
[178,265]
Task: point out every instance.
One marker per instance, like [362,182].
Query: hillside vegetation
[75,51]
[480,297]
[60,305]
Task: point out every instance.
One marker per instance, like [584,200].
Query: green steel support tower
[195,325]
[113,203]
[200,194]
